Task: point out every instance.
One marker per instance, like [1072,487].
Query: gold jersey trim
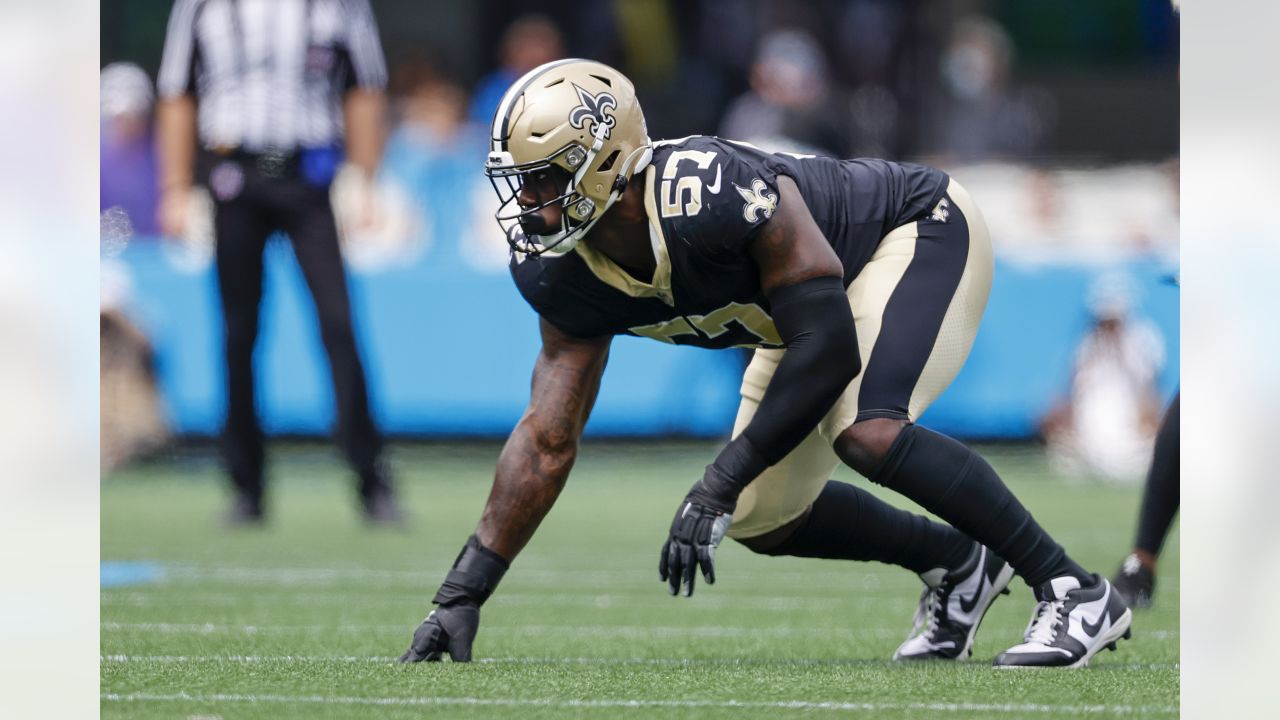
[608,271]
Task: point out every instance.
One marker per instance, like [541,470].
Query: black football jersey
[706,198]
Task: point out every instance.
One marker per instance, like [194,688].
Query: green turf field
[305,618]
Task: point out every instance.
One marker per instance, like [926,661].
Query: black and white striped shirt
[270,74]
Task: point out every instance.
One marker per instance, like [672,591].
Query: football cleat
[244,512]
[952,605]
[381,509]
[1070,625]
[1135,582]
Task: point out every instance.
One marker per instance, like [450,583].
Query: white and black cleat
[952,606]
[1070,625]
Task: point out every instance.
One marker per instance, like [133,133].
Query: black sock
[954,483]
[1161,497]
[847,523]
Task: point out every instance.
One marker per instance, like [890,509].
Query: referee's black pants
[249,207]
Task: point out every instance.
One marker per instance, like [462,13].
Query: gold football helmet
[577,115]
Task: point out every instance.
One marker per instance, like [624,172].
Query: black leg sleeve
[954,483]
[1161,498]
[847,523]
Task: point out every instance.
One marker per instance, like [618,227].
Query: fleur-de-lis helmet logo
[593,108]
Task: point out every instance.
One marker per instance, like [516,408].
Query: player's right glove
[452,626]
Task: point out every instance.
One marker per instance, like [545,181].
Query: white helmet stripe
[498,132]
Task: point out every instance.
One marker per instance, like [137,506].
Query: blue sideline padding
[449,351]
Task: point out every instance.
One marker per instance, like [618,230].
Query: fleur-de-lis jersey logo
[759,202]
[941,211]
[593,108]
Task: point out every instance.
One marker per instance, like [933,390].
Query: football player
[1135,580]
[861,283]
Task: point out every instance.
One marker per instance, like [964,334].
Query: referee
[261,101]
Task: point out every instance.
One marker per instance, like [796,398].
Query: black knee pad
[918,450]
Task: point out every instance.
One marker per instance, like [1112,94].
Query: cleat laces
[933,603]
[1043,628]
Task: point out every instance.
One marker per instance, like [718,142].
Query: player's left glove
[703,518]
[452,627]
[695,533]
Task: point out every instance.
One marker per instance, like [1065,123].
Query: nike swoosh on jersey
[714,188]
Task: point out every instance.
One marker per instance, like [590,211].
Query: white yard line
[1004,708]
[167,596]
[602,661]
[592,631]
[638,569]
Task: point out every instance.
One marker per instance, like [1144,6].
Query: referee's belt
[316,165]
[268,163]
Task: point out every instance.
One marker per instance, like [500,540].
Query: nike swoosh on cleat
[1092,630]
[968,604]
[714,188]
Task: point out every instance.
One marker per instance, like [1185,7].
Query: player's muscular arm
[537,458]
[531,472]
[803,279]
[789,247]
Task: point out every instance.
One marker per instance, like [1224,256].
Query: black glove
[695,532]
[450,628]
[454,624]
[704,516]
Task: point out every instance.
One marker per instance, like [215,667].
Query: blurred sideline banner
[449,351]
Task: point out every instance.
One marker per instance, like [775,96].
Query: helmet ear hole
[607,165]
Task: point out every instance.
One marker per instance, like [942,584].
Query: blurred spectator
[529,42]
[1045,219]
[791,105]
[869,32]
[131,414]
[870,36]
[1155,229]
[1108,423]
[435,156]
[978,115]
[431,127]
[285,100]
[127,155]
